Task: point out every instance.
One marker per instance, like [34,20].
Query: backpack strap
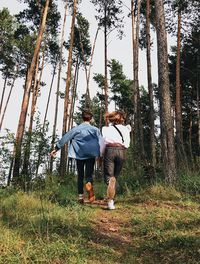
[119,133]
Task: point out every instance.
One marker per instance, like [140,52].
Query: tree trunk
[73,96]
[3,92]
[58,89]
[190,137]
[45,118]
[74,100]
[8,98]
[134,83]
[90,65]
[48,99]
[63,159]
[167,132]
[87,93]
[139,142]
[25,173]
[25,102]
[179,132]
[198,101]
[198,115]
[150,87]
[105,62]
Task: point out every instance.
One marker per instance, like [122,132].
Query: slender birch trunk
[58,89]
[150,87]
[87,99]
[63,159]
[139,142]
[49,97]
[179,132]
[3,93]
[91,59]
[45,118]
[105,62]
[73,95]
[8,99]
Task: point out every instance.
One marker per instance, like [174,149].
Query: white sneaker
[111,205]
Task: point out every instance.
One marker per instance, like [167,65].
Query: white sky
[120,50]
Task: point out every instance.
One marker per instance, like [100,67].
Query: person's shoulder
[125,127]
[104,128]
[94,127]
[128,127]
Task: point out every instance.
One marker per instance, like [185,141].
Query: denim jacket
[84,142]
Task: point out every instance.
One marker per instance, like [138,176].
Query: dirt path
[112,228]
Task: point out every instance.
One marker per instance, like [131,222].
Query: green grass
[154,225]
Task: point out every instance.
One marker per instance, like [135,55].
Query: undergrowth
[152,223]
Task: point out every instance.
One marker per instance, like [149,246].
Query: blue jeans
[85,169]
[113,162]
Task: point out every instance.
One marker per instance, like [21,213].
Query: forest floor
[156,225]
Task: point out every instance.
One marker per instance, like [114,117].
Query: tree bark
[8,99]
[45,118]
[167,132]
[179,132]
[49,97]
[25,173]
[63,159]
[87,92]
[3,92]
[105,63]
[25,102]
[73,96]
[139,142]
[90,65]
[150,87]
[58,89]
[198,97]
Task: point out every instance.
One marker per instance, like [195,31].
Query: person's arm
[102,143]
[65,139]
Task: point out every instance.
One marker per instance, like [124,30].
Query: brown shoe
[89,189]
[111,188]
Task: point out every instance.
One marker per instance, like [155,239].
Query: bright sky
[120,50]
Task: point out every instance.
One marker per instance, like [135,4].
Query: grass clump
[40,230]
[156,224]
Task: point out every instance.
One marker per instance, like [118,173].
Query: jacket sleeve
[66,138]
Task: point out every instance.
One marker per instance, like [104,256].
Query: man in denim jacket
[84,147]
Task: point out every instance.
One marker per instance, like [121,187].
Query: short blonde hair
[115,117]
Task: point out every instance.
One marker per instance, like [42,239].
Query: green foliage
[189,182]
[189,10]
[121,87]
[95,107]
[40,146]
[109,15]
[30,19]
[7,43]
[82,46]
[6,156]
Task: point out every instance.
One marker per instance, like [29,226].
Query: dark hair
[87,115]
[116,117]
